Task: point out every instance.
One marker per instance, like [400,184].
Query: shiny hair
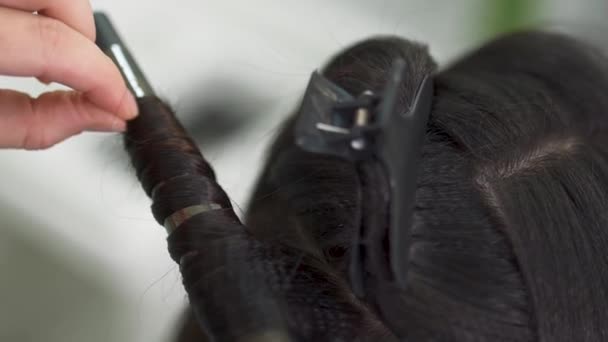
[509,237]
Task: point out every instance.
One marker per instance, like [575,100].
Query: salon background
[81,258]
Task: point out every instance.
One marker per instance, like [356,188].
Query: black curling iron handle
[113,46]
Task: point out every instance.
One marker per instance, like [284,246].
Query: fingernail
[118,126]
[132,110]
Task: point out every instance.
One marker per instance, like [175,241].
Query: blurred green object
[501,16]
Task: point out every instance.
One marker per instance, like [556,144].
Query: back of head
[509,236]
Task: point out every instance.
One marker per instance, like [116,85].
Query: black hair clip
[334,122]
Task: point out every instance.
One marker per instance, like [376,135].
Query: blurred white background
[81,258]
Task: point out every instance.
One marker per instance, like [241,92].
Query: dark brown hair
[509,237]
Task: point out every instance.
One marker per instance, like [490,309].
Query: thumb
[51,118]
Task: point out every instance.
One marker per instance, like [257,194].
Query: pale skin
[57,45]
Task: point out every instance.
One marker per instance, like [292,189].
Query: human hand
[57,45]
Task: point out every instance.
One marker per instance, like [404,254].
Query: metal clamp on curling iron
[372,127]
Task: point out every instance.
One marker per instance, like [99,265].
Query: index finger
[77,14]
[48,49]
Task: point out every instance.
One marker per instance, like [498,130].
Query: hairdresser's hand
[57,45]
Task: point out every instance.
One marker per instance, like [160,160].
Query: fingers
[57,46]
[43,122]
[76,14]
[42,47]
